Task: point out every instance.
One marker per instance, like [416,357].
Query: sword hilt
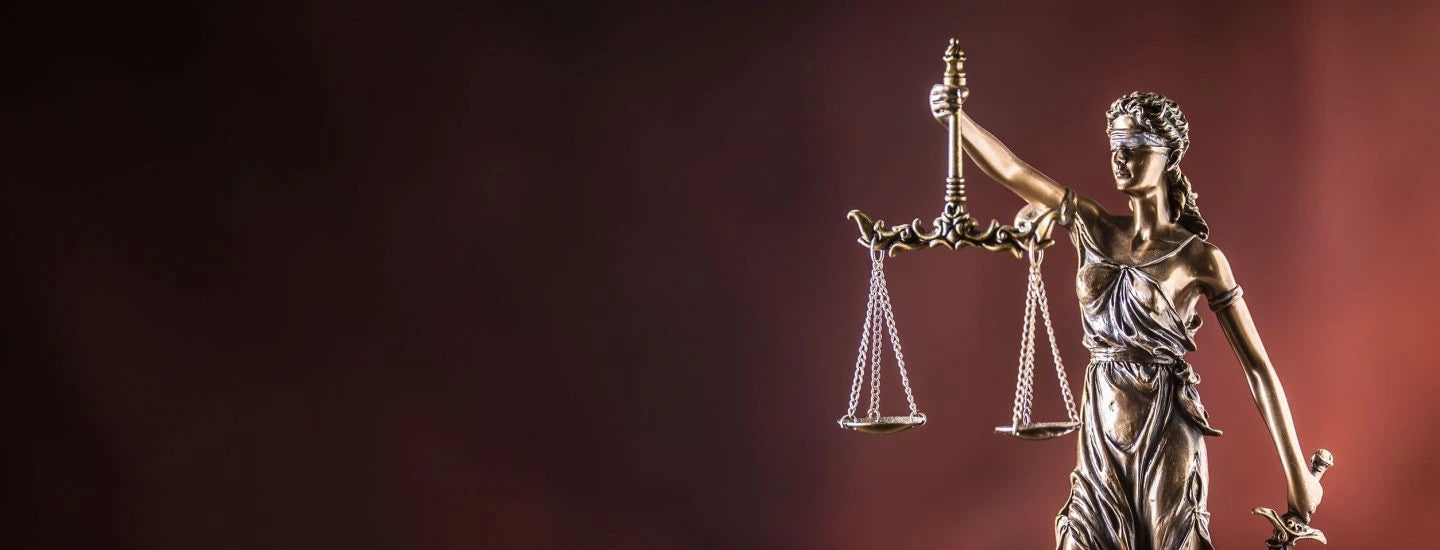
[1290,528]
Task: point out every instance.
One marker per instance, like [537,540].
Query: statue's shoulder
[1086,210]
[1211,268]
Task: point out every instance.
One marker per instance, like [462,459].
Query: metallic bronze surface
[1142,479]
[1037,431]
[883,425]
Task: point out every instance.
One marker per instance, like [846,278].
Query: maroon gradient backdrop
[328,274]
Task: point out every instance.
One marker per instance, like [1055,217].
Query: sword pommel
[1320,461]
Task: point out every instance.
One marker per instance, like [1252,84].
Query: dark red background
[328,274]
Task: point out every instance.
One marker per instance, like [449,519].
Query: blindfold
[1128,139]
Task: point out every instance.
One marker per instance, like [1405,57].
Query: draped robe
[1140,480]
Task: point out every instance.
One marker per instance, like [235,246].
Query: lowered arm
[1234,317]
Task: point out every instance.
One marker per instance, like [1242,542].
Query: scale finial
[954,64]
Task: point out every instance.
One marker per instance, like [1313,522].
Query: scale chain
[879,319]
[894,344]
[1035,298]
[1030,359]
[876,344]
[864,347]
[1044,303]
[1024,385]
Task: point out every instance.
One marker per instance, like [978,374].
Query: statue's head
[1148,137]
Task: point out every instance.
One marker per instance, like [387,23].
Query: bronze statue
[1141,478]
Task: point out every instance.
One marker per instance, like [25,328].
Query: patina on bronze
[1141,478]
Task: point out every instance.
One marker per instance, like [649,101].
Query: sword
[1290,528]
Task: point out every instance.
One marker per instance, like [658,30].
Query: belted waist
[1132,355]
[1175,364]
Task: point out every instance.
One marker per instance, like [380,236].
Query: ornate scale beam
[955,228]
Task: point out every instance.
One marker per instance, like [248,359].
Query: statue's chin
[1130,185]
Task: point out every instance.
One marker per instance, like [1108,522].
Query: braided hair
[1160,116]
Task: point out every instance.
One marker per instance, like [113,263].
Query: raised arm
[997,161]
[1304,487]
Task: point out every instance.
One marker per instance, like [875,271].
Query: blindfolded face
[1137,158]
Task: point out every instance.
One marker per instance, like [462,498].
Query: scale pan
[882,425]
[1039,430]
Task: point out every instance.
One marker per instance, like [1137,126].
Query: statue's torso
[1146,307]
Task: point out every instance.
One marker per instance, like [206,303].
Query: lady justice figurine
[1141,479]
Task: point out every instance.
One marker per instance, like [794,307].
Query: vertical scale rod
[954,177]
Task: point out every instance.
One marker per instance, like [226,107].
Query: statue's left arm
[1233,314]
